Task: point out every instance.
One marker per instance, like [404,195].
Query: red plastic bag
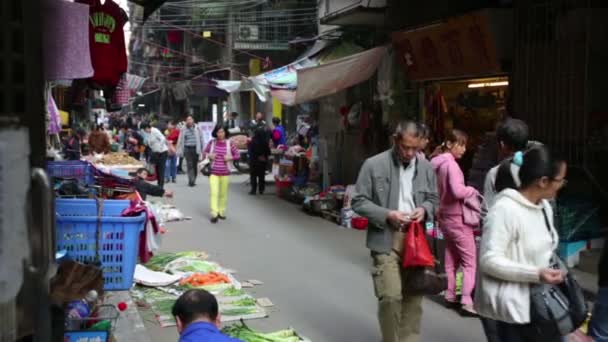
[417,252]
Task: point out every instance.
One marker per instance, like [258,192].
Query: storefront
[461,67]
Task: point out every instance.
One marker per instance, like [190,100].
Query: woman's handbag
[471,210]
[204,165]
[420,280]
[558,309]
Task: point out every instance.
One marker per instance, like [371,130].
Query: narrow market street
[315,272]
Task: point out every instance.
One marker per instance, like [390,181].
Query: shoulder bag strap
[548,225]
[228,150]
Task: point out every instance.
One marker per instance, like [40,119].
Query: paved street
[316,273]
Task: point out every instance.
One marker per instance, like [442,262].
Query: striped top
[219,167]
[189,136]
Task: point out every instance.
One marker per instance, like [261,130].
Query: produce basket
[72,169]
[102,313]
[324,204]
[77,226]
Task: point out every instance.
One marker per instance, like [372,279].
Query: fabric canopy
[305,80]
[330,78]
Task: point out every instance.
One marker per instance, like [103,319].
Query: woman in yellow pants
[220,152]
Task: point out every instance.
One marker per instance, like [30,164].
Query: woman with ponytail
[460,240]
[518,242]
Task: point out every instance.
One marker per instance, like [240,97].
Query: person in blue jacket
[197,315]
[278,133]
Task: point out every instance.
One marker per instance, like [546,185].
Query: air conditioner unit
[248,32]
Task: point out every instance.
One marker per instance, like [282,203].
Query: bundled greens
[160,261]
[246,334]
[240,311]
[232,292]
[243,302]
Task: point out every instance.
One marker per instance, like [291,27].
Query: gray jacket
[179,148]
[377,193]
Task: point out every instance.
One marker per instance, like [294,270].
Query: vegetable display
[246,334]
[200,280]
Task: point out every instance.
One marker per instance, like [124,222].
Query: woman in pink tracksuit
[460,241]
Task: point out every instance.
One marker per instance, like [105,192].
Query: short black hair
[124,125]
[276,121]
[217,128]
[234,114]
[513,133]
[140,170]
[195,304]
[145,125]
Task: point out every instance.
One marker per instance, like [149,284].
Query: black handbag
[557,309]
[425,280]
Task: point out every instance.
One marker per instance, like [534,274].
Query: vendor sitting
[144,188]
[197,315]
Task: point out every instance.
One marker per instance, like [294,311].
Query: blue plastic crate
[77,169]
[76,226]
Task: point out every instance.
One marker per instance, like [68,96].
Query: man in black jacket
[598,329]
[144,188]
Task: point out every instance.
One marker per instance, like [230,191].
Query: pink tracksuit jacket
[460,240]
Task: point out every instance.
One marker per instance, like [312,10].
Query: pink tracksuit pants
[460,251]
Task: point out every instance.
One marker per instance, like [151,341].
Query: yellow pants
[218,194]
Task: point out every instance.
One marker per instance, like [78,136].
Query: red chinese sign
[462,46]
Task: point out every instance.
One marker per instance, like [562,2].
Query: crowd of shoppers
[518,244]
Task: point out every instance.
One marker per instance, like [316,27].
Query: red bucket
[359,223]
[282,187]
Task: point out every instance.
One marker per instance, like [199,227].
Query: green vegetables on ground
[232,292]
[243,302]
[246,334]
[241,311]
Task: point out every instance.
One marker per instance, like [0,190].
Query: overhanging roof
[355,16]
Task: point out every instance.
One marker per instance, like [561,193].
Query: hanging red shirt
[107,41]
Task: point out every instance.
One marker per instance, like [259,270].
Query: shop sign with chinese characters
[460,47]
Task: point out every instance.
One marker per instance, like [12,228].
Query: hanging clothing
[107,41]
[145,250]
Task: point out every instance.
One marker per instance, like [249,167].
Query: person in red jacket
[172,134]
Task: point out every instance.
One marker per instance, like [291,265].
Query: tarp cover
[330,78]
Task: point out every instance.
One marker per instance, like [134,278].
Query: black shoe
[252,193]
[214,219]
[221,217]
[174,180]
[261,192]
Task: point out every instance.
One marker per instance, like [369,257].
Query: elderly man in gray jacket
[395,188]
[189,145]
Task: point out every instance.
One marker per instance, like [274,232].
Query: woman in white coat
[518,241]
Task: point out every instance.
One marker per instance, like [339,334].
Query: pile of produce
[159,262]
[246,334]
[119,158]
[240,141]
[199,280]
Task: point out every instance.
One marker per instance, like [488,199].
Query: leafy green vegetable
[232,292]
[246,334]
[243,302]
[239,311]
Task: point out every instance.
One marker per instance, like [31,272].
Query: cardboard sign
[460,47]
